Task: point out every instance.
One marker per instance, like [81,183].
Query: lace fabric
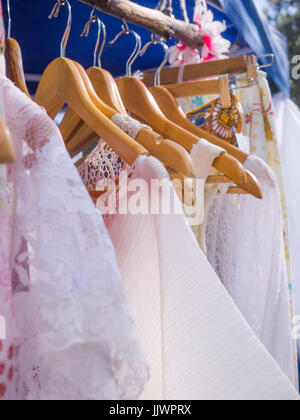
[104,162]
[7,321]
[129,125]
[75,338]
[245,247]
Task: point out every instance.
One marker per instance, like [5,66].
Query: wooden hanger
[101,79]
[139,101]
[14,65]
[79,136]
[7,154]
[168,152]
[173,111]
[169,106]
[13,57]
[62,84]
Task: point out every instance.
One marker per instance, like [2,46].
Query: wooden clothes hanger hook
[137,48]
[166,49]
[55,13]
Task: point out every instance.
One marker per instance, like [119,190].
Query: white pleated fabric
[197,343]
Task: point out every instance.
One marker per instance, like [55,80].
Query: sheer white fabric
[245,247]
[75,338]
[197,343]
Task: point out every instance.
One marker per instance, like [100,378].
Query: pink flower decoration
[211,30]
[215,46]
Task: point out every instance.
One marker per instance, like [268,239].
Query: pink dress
[7,350]
[74,336]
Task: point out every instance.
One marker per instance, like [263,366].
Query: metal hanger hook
[137,48]
[234,80]
[264,66]
[55,13]
[156,41]
[9,20]
[101,27]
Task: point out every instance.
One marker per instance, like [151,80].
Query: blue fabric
[40,38]
[261,37]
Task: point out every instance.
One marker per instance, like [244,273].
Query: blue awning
[40,38]
[261,37]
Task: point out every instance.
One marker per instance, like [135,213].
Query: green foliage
[285,14]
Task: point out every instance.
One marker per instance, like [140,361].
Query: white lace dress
[197,343]
[74,338]
[245,247]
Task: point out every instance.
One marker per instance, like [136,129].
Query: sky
[262,3]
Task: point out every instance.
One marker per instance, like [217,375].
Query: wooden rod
[153,20]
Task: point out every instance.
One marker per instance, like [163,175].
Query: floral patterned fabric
[259,127]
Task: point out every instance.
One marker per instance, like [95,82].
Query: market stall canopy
[40,38]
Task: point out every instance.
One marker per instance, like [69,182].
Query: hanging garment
[259,126]
[245,247]
[7,324]
[7,327]
[197,343]
[288,127]
[7,368]
[2,42]
[75,338]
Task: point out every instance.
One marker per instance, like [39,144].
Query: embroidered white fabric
[75,336]
[245,246]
